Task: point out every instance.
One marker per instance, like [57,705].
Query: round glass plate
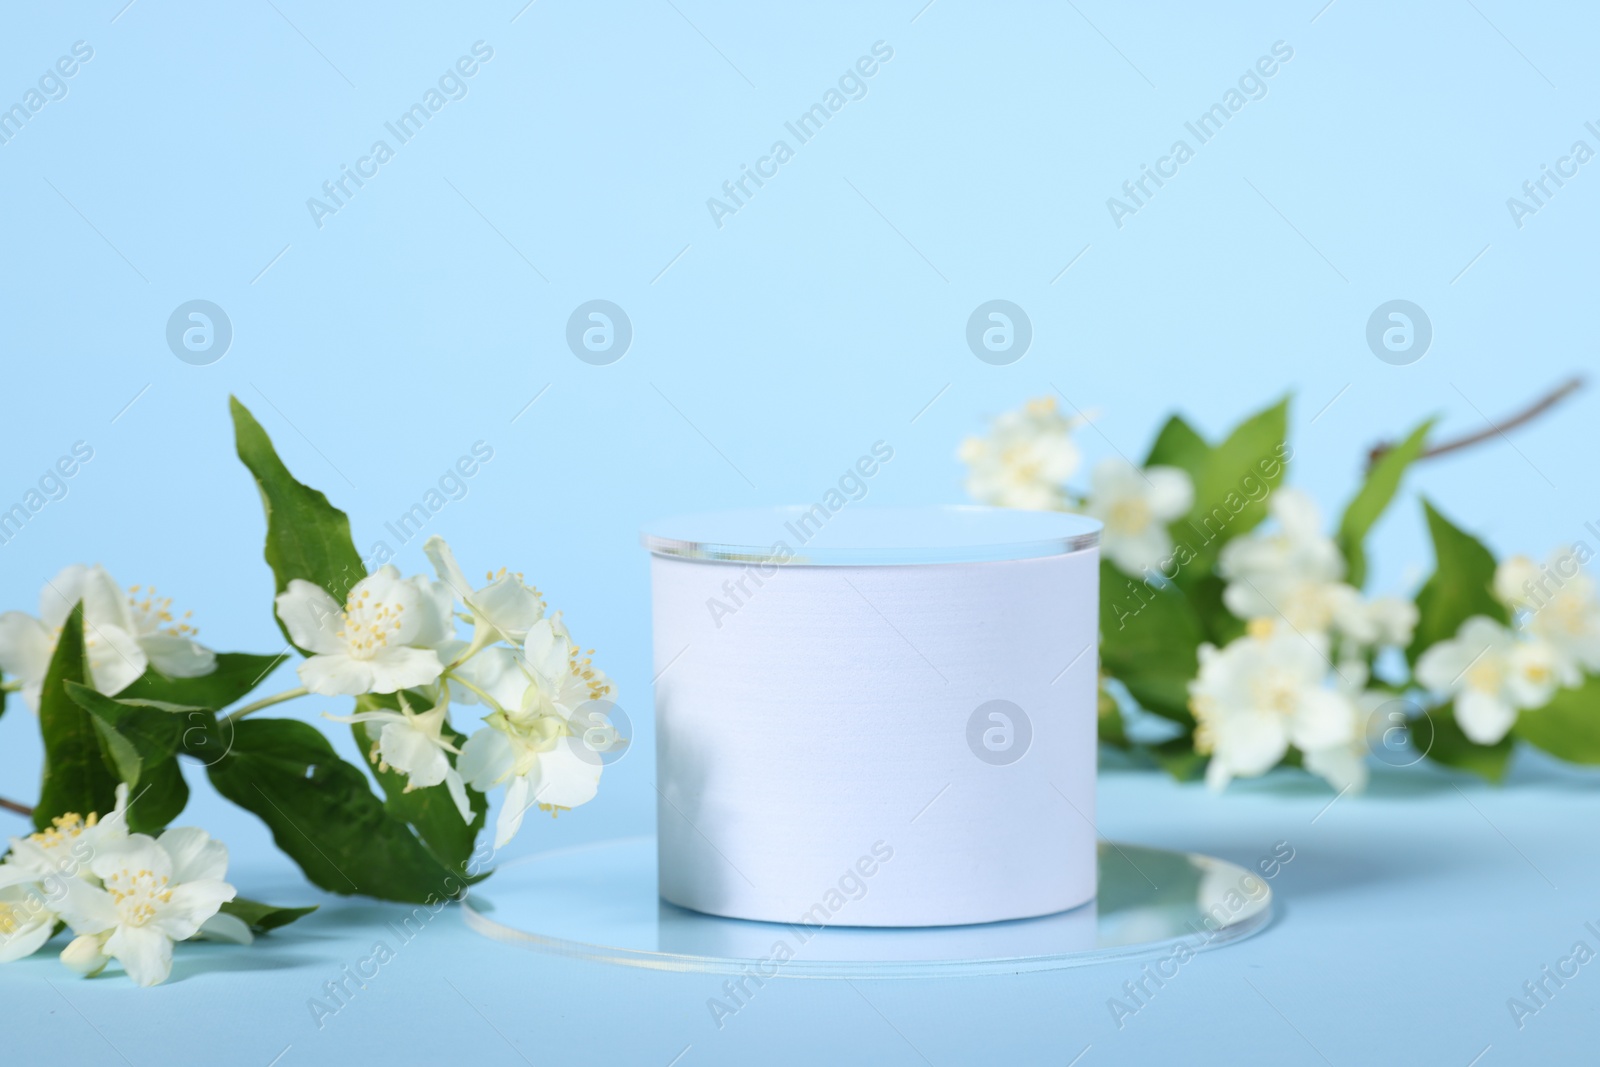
[598,902]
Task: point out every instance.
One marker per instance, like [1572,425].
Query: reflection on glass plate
[598,902]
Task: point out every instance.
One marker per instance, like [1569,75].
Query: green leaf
[236,675]
[1569,726]
[1462,585]
[323,814]
[1179,445]
[1230,493]
[163,795]
[76,776]
[262,918]
[140,740]
[149,731]
[429,812]
[1438,735]
[1370,501]
[1205,596]
[307,537]
[1148,638]
[1179,759]
[1112,730]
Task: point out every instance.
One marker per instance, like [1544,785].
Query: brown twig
[20,809]
[1528,414]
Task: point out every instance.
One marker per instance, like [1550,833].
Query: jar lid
[811,535]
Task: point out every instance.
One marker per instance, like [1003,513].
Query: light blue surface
[767,356]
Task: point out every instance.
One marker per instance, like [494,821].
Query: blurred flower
[1296,572]
[1344,766]
[122,634]
[1026,459]
[153,891]
[1557,605]
[369,646]
[1491,674]
[1384,620]
[1262,693]
[1135,507]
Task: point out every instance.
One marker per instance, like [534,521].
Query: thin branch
[21,809]
[267,702]
[1528,414]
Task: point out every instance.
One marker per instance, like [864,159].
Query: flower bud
[84,956]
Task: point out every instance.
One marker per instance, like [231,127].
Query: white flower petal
[1440,668]
[1512,577]
[336,675]
[1484,717]
[445,566]
[104,602]
[115,659]
[435,610]
[177,656]
[547,652]
[509,606]
[228,928]
[564,778]
[413,753]
[1115,477]
[136,852]
[86,908]
[1170,492]
[1251,743]
[145,953]
[191,904]
[312,617]
[25,940]
[1531,678]
[25,646]
[486,759]
[1323,719]
[515,805]
[400,596]
[458,793]
[1297,513]
[60,594]
[497,671]
[1140,552]
[396,668]
[195,854]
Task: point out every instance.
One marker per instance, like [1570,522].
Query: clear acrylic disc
[598,902]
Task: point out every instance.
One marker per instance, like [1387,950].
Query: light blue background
[769,354]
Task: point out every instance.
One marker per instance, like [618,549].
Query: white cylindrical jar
[876,717]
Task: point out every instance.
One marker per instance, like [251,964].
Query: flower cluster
[1299,675]
[124,633]
[1243,623]
[124,695]
[1491,672]
[546,724]
[126,896]
[1028,458]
